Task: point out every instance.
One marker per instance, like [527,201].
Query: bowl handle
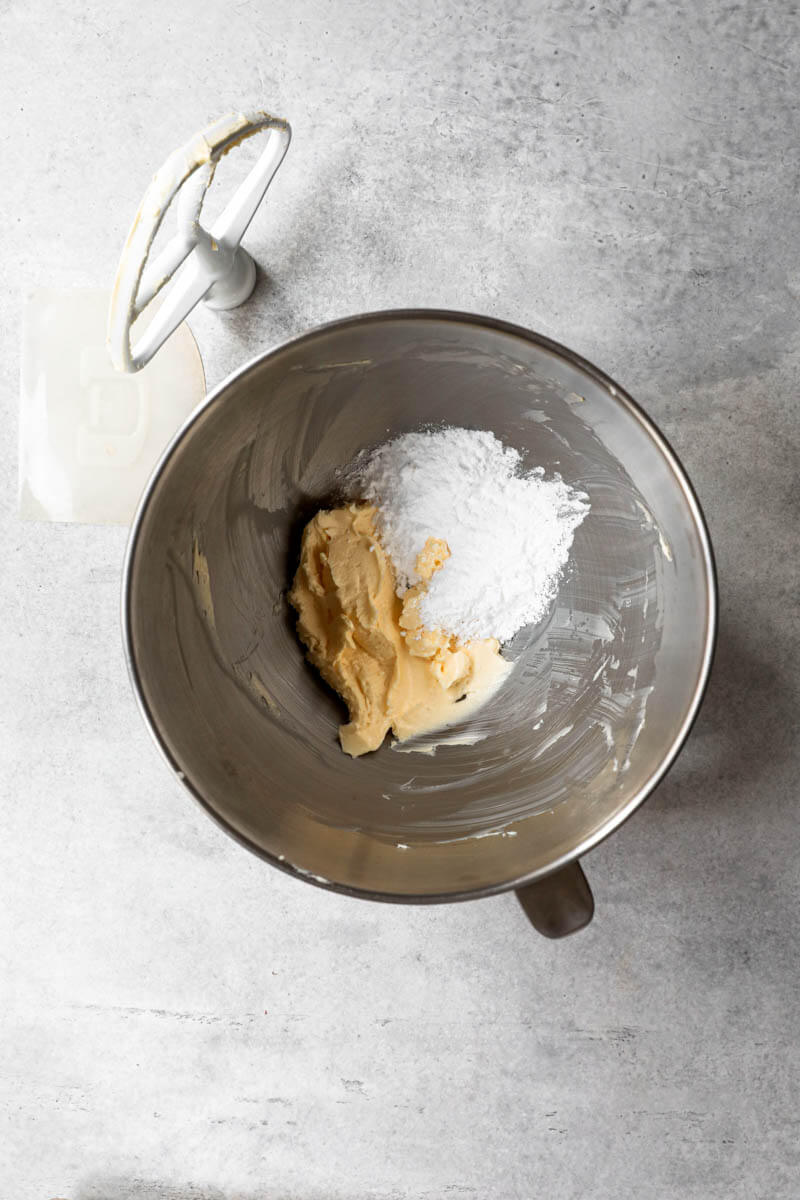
[561,903]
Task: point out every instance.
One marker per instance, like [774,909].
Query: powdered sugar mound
[509,532]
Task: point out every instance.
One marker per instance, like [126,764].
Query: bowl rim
[616,393]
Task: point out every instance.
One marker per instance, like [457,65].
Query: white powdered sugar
[509,531]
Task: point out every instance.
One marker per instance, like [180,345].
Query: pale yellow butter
[371,646]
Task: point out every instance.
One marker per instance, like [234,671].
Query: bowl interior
[603,689]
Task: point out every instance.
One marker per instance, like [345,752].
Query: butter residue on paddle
[371,646]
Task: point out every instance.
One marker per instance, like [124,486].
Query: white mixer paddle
[203,264]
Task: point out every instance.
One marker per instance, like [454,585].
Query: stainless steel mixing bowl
[604,690]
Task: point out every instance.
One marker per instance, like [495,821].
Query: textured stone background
[182,1023]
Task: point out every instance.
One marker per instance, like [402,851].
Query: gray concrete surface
[179,1022]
